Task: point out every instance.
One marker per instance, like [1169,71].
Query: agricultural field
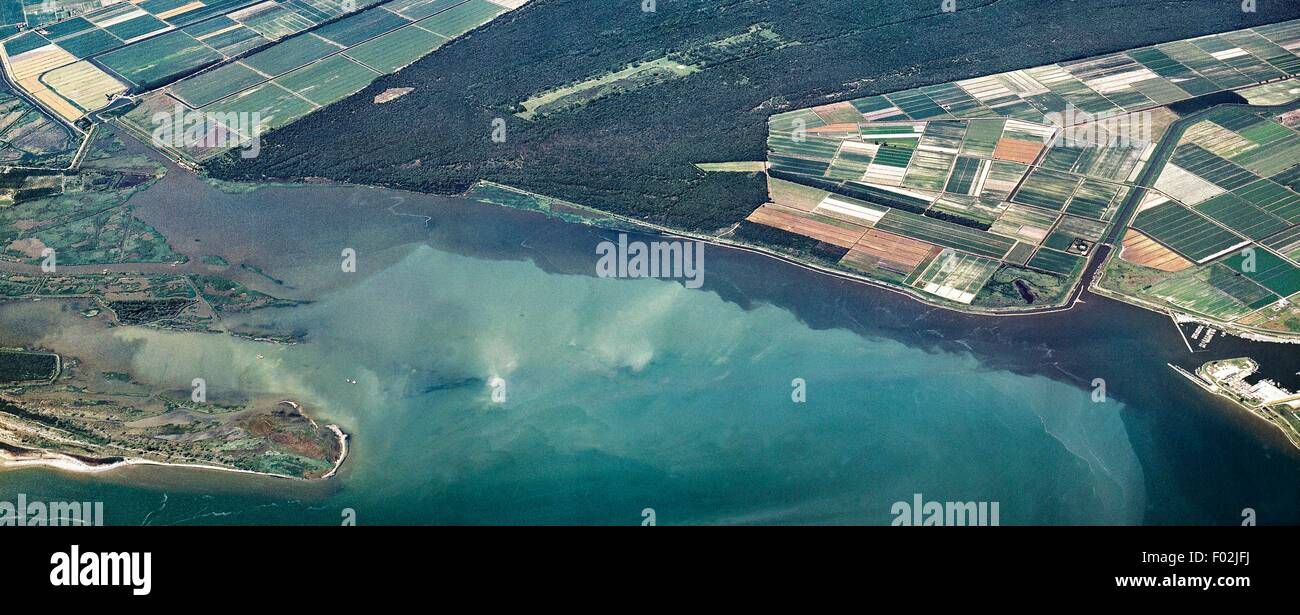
[309,67]
[1096,199]
[275,105]
[362,26]
[1267,269]
[1218,291]
[79,60]
[1025,223]
[227,36]
[1055,261]
[11,13]
[1192,235]
[215,84]
[945,234]
[38,13]
[118,47]
[419,9]
[955,276]
[83,84]
[1286,243]
[1026,171]
[1276,93]
[329,80]
[290,54]
[158,61]
[1047,189]
[1220,237]
[396,49]
[462,18]
[1220,169]
[271,20]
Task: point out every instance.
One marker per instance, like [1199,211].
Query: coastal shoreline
[1074,297]
[1215,390]
[68,463]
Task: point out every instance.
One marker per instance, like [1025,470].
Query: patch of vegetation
[60,423]
[114,287]
[22,366]
[786,242]
[1013,286]
[225,295]
[631,153]
[1123,276]
[583,92]
[149,311]
[29,138]
[258,270]
[82,215]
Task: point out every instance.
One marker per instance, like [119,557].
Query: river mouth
[627,393]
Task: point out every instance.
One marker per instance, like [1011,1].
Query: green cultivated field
[1193,290]
[277,105]
[1217,170]
[133,28]
[329,80]
[812,146]
[277,22]
[24,42]
[945,234]
[1270,271]
[963,175]
[1189,234]
[1272,198]
[791,164]
[1092,198]
[928,170]
[1235,213]
[849,165]
[159,60]
[1239,287]
[290,54]
[68,28]
[419,9]
[462,18]
[365,25]
[1287,243]
[1046,189]
[1086,228]
[396,49]
[229,43]
[89,43]
[982,137]
[1055,262]
[216,84]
